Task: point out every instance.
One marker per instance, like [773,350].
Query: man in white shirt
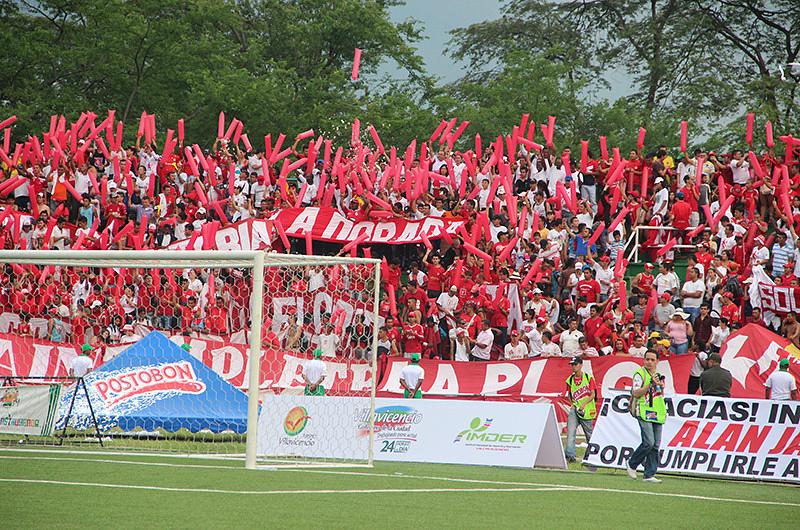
[82,364]
[535,343]
[740,168]
[447,302]
[59,237]
[462,345]
[570,338]
[604,275]
[482,349]
[781,385]
[666,281]
[411,378]
[328,342]
[661,200]
[314,374]
[692,293]
[515,349]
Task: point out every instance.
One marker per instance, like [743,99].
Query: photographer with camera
[648,407]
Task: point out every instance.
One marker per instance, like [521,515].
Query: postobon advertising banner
[28,410]
[438,431]
[735,438]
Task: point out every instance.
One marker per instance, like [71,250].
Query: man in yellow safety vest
[648,407]
[581,390]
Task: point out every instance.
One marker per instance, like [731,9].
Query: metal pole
[254,379]
[636,246]
[91,409]
[69,414]
[376,304]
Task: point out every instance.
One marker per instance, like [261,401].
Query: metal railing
[632,255]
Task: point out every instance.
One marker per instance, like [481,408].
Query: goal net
[190,352]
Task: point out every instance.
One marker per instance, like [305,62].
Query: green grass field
[50,488]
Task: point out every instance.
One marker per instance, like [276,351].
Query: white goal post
[256,261]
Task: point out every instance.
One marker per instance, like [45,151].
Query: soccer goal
[228,354]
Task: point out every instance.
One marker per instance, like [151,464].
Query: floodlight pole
[254,376]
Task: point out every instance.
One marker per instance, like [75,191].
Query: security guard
[581,390]
[314,375]
[648,407]
[411,378]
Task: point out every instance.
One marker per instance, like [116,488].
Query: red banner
[327,224]
[527,378]
[779,299]
[751,355]
[324,224]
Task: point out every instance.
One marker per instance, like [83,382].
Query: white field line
[270,492]
[525,485]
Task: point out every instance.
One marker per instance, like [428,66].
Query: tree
[277,65]
[759,38]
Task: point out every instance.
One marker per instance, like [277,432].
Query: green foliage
[278,65]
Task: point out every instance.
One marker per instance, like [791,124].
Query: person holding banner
[411,378]
[314,374]
[581,391]
[648,407]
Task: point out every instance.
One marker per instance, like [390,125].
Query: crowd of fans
[539,214]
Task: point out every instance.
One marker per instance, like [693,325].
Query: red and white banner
[750,354]
[779,299]
[324,224]
[728,437]
[526,379]
[280,370]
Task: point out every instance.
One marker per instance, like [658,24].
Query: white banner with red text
[779,299]
[412,430]
[726,437]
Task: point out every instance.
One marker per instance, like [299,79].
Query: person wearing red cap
[760,253]
[663,311]
[729,310]
[642,283]
[463,345]
[603,274]
[566,314]
[515,349]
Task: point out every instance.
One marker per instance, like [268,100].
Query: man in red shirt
[588,287]
[392,332]
[690,193]
[436,274]
[414,341]
[592,325]
[729,309]
[117,212]
[217,317]
[680,212]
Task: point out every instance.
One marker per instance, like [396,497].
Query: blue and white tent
[155,384]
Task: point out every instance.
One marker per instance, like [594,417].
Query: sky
[439,17]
